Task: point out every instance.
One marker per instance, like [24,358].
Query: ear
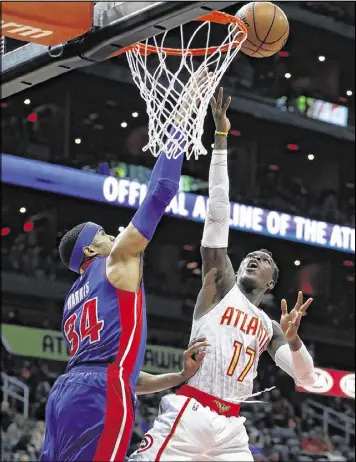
[88,251]
[270,285]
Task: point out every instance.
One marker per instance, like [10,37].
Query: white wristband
[220,151]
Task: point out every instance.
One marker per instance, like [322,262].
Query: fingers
[218,103]
[195,340]
[305,306]
[203,73]
[227,104]
[202,77]
[213,103]
[296,323]
[300,306]
[284,307]
[198,80]
[199,358]
[293,327]
[220,96]
[196,347]
[299,300]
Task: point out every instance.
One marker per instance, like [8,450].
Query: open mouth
[252,265]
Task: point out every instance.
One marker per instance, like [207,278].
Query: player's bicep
[277,340]
[129,244]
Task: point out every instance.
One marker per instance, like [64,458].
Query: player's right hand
[222,123]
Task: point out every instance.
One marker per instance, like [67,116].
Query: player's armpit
[125,274]
[124,264]
[218,279]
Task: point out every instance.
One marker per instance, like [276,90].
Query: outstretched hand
[222,123]
[192,93]
[193,358]
[290,322]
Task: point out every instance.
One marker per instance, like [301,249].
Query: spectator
[15,430]
[6,417]
[315,443]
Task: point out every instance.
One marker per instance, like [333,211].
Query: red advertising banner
[332,383]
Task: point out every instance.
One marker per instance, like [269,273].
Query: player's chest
[238,323]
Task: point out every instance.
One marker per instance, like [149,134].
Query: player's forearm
[220,142]
[295,344]
[162,188]
[297,362]
[148,383]
[217,222]
[218,172]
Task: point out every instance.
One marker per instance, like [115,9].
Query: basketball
[267,29]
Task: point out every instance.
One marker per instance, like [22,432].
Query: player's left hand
[290,321]
[218,108]
[193,358]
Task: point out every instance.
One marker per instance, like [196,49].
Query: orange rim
[218,17]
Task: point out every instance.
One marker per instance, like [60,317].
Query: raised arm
[123,264]
[218,273]
[287,349]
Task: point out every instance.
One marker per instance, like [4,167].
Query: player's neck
[254,296]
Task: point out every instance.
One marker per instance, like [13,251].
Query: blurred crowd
[292,195]
[276,428]
[275,189]
[26,254]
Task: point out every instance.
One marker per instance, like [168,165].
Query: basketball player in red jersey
[90,411]
[201,421]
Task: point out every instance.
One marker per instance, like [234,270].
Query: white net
[174,97]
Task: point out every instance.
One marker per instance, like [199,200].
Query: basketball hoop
[164,90]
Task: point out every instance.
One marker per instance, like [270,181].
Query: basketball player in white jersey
[202,420]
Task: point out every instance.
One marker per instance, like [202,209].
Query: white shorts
[185,430]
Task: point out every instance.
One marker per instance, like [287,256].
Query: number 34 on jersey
[89,326]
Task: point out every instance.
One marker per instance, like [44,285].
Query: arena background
[291,162]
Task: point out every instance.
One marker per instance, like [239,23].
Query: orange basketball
[267,29]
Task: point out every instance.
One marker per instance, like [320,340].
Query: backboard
[115,25]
